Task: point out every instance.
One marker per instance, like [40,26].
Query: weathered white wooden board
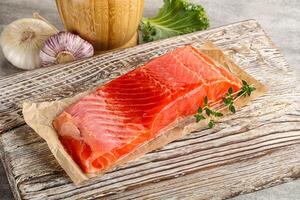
[256,148]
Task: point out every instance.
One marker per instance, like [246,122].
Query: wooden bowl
[106,24]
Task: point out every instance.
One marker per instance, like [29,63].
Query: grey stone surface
[280,19]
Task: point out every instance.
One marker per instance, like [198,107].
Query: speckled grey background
[280,19]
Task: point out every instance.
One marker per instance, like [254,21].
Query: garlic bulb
[22,40]
[65,47]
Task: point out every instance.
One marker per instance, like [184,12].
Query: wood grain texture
[253,149]
[106,24]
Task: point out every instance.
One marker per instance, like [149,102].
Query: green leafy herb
[218,114]
[228,100]
[208,111]
[206,101]
[246,89]
[175,17]
[199,117]
[211,124]
[200,110]
[232,108]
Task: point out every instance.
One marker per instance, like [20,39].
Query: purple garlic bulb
[64,47]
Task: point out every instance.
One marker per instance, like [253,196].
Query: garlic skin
[65,47]
[22,40]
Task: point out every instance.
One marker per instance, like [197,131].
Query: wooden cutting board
[253,149]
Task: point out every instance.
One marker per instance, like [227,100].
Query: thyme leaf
[246,89]
[199,117]
[228,100]
[211,124]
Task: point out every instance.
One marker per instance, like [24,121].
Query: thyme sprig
[228,101]
[209,112]
[246,89]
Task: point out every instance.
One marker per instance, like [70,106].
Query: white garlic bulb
[65,47]
[22,40]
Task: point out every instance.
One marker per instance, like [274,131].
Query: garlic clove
[22,40]
[65,47]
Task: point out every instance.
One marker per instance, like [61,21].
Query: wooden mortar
[106,24]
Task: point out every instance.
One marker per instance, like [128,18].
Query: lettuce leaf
[176,17]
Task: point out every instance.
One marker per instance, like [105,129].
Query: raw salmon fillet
[128,112]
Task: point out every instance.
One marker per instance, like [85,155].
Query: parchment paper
[39,117]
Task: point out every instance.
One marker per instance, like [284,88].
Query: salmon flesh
[128,112]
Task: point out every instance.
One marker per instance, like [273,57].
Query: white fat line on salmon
[213,66]
[200,78]
[116,121]
[156,81]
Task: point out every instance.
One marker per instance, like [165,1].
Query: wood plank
[253,149]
